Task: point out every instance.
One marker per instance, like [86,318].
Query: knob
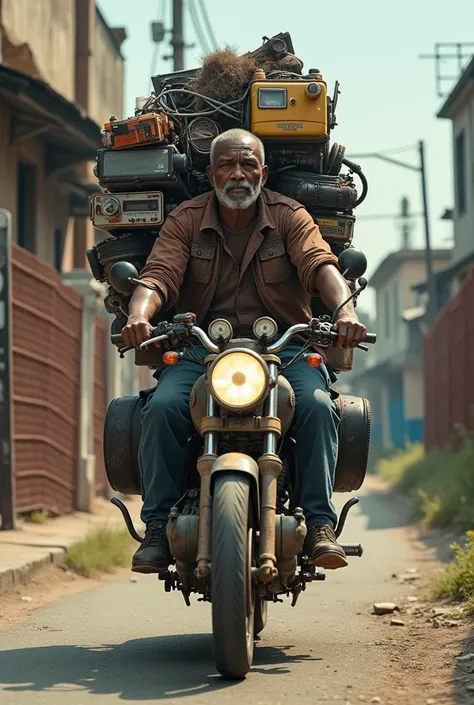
[110,207]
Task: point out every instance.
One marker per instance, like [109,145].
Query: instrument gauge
[265,327]
[220,329]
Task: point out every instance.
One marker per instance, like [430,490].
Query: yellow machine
[289,109]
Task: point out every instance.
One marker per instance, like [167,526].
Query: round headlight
[239,380]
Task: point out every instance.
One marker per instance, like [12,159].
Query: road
[131,641]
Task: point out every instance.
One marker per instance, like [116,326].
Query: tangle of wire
[217,106]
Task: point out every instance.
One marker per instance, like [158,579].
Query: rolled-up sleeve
[306,248]
[169,257]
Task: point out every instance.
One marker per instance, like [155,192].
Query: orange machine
[138,131]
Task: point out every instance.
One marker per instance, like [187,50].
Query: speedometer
[265,326]
[220,329]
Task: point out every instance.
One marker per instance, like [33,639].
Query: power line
[208,23]
[198,27]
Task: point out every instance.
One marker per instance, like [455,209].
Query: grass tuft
[456,580]
[102,551]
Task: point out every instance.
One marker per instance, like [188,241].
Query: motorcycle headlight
[239,380]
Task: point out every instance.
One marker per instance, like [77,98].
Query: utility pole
[405,218]
[177,40]
[432,304]
[421,169]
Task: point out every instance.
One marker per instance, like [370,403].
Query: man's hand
[351,330]
[136,331]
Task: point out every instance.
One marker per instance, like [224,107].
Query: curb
[32,558]
[11,578]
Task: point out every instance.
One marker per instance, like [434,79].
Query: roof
[39,109]
[445,274]
[394,260]
[464,83]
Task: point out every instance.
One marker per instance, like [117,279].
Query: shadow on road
[385,509]
[155,668]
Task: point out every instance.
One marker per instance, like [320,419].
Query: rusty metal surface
[449,370]
[46,365]
[100,400]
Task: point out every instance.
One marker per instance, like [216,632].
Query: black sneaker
[322,547]
[154,555]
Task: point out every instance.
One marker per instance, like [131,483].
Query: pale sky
[388,95]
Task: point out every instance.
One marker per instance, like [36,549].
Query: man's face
[237,173]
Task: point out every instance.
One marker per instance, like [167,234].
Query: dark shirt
[236,298]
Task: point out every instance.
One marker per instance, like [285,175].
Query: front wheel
[233,594]
[260,620]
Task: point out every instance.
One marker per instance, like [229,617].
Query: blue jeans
[166,427]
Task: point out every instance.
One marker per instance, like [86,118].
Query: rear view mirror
[122,276]
[353,263]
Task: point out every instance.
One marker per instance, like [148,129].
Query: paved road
[130,641]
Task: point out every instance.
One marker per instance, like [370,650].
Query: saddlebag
[123,428]
[354,442]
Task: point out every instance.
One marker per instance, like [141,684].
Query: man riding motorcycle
[239,252]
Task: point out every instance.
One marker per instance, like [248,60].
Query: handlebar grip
[116,339]
[370,338]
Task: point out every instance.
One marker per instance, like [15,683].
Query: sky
[388,95]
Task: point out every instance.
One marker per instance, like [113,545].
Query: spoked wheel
[260,619]
[233,593]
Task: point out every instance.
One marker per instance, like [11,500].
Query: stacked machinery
[153,161]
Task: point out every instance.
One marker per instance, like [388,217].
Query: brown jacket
[285,251]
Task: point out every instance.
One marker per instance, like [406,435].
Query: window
[386,313]
[460,173]
[396,308]
[58,249]
[26,204]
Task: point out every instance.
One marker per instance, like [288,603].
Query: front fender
[240,463]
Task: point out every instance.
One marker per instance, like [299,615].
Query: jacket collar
[211,214]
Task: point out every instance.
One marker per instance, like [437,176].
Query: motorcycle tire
[233,595]
[261,613]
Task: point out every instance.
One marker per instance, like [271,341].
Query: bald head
[238,138]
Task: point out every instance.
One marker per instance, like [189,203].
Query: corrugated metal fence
[449,369]
[100,399]
[46,390]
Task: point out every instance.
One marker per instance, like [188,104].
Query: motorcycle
[237,534]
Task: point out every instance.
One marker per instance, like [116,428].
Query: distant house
[393,374]
[459,108]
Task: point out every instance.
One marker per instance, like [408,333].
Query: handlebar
[325,331]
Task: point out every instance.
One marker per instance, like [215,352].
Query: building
[392,377]
[459,108]
[61,77]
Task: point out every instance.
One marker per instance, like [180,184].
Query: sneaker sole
[147,568]
[330,561]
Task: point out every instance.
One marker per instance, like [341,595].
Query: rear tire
[233,594]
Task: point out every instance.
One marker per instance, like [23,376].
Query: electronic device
[137,131]
[127,210]
[148,167]
[289,110]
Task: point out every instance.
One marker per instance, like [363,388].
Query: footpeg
[353,550]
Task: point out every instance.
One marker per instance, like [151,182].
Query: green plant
[456,580]
[102,551]
[37,516]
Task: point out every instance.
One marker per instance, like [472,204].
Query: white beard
[240,202]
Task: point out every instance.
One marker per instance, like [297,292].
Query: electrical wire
[198,27]
[207,22]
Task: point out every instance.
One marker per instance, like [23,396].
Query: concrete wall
[48,27]
[395,296]
[464,222]
[106,96]
[51,204]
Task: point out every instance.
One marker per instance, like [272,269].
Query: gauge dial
[220,329]
[265,327]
